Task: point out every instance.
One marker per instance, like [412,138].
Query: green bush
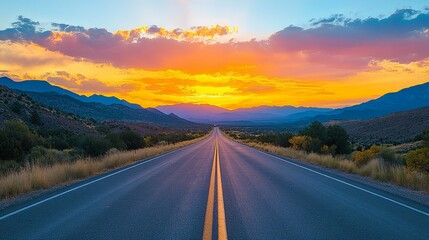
[16,140]
[93,146]
[132,140]
[9,166]
[116,141]
[418,159]
[389,156]
[37,152]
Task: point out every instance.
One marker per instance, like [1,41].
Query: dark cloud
[397,37]
[154,29]
[67,28]
[24,29]
[25,25]
[334,19]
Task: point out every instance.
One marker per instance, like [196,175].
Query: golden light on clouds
[227,89]
[199,32]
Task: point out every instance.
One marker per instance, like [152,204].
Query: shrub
[9,166]
[94,146]
[418,159]
[16,140]
[305,143]
[59,143]
[41,156]
[116,142]
[363,157]
[37,152]
[388,155]
[132,140]
[325,149]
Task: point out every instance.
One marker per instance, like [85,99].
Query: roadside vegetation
[329,146]
[32,160]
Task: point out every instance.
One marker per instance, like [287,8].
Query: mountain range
[263,114]
[104,108]
[406,99]
[96,107]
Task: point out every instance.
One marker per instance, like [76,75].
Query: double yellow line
[221,220]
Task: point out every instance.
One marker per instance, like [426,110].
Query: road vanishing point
[216,189]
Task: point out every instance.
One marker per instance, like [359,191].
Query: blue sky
[254,18]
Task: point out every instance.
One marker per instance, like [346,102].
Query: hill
[103,112]
[406,99]
[398,127]
[18,106]
[43,86]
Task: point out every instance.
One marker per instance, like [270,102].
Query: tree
[336,135]
[315,130]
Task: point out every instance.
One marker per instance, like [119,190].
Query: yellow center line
[208,221]
[222,234]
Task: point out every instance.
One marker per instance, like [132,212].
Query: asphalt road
[218,188]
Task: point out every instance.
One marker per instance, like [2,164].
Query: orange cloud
[195,33]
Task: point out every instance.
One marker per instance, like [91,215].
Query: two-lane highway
[216,188]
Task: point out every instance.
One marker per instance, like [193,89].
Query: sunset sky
[226,53]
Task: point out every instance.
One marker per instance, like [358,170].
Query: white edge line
[344,182]
[88,183]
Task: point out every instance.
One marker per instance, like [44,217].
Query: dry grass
[37,177]
[376,169]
